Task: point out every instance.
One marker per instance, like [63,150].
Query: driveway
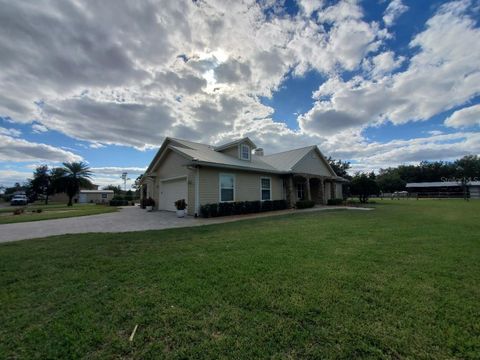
[126,219]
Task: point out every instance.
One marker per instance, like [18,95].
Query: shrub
[267,205]
[118,203]
[225,209]
[39,211]
[18,211]
[305,204]
[253,206]
[180,204]
[334,201]
[280,204]
[240,207]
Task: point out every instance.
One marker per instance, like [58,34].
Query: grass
[51,211]
[401,281]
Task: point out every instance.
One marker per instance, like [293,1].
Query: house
[94,196]
[236,171]
[84,196]
[446,189]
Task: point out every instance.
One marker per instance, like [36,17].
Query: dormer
[241,149]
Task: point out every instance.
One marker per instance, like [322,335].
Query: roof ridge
[286,151]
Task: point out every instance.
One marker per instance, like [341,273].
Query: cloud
[466,117]
[394,9]
[9,177]
[10,132]
[441,75]
[39,128]
[200,69]
[19,150]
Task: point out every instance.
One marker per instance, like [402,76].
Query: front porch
[311,187]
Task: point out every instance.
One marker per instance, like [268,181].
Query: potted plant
[180,205]
[150,203]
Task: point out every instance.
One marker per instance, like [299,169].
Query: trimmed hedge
[334,201]
[305,204]
[240,207]
[119,202]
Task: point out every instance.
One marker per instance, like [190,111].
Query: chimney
[259,151]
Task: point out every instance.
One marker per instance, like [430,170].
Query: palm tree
[75,175]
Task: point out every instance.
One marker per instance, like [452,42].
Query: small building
[444,189]
[95,196]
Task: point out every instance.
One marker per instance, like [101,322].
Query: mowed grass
[401,281]
[51,211]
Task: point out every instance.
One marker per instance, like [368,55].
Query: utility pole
[125,178]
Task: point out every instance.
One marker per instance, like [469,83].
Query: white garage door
[171,191]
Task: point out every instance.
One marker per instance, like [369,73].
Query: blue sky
[377,82]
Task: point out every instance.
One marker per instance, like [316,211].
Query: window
[266,188]
[227,187]
[104,196]
[244,152]
[300,191]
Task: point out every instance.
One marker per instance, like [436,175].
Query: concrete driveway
[126,219]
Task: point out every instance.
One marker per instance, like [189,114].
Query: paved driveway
[126,219]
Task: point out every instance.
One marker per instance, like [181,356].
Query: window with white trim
[245,152]
[266,188]
[301,191]
[227,187]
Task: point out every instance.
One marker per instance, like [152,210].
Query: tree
[41,182]
[75,175]
[115,188]
[340,167]
[389,181]
[364,185]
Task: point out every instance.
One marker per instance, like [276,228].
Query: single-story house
[236,171]
[95,196]
[84,196]
[451,189]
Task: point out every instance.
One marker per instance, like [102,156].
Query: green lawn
[51,211]
[401,281]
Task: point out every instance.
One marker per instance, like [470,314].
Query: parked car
[19,200]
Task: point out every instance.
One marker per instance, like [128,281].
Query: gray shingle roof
[206,154]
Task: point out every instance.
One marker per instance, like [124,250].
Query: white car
[19,200]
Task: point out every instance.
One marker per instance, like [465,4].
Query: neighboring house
[203,174]
[95,196]
[86,196]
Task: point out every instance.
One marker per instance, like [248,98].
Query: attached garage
[172,190]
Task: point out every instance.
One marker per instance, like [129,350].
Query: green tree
[364,185]
[340,167]
[75,175]
[389,181]
[115,188]
[41,184]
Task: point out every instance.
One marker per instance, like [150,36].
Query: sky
[376,82]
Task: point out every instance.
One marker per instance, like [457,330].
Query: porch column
[322,185]
[307,188]
[289,191]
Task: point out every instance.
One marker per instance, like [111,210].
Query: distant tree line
[394,179]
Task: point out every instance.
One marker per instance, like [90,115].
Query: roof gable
[313,162]
[236,143]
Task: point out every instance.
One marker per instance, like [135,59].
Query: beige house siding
[247,185]
[312,164]
[172,165]
[97,197]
